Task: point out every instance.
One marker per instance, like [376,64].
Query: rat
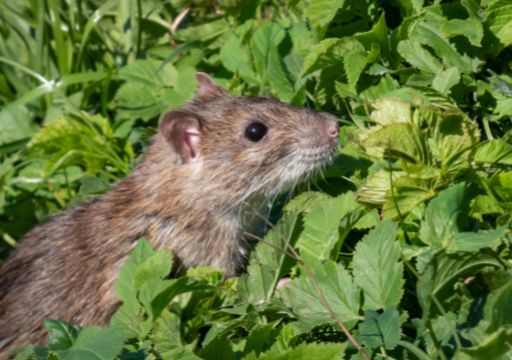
[209,158]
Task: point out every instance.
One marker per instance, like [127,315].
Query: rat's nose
[332,129]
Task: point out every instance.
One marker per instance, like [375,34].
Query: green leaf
[379,36]
[124,283]
[375,190]
[500,314]
[445,217]
[468,241]
[445,80]
[427,33]
[235,56]
[219,348]
[417,56]
[321,233]
[404,140]
[474,8]
[380,329]
[129,319]
[305,352]
[329,52]
[471,28]
[203,32]
[157,266]
[493,347]
[354,63]
[93,185]
[265,37]
[16,124]
[167,332]
[388,111]
[261,338]
[172,289]
[303,301]
[94,343]
[408,192]
[499,23]
[61,334]
[321,12]
[494,151]
[305,201]
[377,269]
[444,270]
[267,264]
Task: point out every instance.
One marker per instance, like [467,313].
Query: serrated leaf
[157,266]
[343,296]
[468,241]
[377,269]
[499,23]
[444,270]
[445,80]
[167,332]
[405,140]
[471,28]
[379,36]
[416,55]
[321,225]
[375,190]
[304,352]
[129,318]
[220,348]
[124,283]
[354,63]
[445,217]
[94,343]
[61,334]
[305,201]
[388,111]
[16,124]
[329,52]
[172,289]
[408,192]
[267,264]
[427,33]
[321,12]
[261,338]
[494,151]
[380,329]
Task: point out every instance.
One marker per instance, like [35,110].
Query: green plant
[406,236]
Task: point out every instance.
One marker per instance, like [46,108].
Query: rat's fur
[65,269]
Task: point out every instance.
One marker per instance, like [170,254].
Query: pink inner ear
[192,141]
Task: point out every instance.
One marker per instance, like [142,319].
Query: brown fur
[65,269]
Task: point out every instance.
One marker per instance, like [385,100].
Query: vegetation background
[405,237]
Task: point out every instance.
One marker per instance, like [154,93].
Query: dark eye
[255,132]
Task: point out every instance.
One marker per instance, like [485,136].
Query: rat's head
[248,144]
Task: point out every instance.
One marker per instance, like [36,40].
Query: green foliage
[407,234]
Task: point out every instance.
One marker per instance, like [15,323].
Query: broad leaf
[445,80]
[380,329]
[377,269]
[416,55]
[404,140]
[303,301]
[471,28]
[321,233]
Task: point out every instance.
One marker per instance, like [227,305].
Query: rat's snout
[330,126]
[331,129]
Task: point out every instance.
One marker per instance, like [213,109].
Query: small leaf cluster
[406,236]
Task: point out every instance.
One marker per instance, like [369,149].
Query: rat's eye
[255,132]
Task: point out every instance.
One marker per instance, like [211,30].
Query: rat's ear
[182,130]
[208,87]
